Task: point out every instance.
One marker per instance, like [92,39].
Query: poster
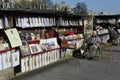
[1,62]
[13,37]
[15,58]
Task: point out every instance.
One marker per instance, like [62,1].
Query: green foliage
[81,8]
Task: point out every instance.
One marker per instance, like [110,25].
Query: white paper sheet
[43,59]
[27,64]
[34,62]
[6,22]
[40,60]
[40,22]
[9,57]
[13,37]
[15,58]
[1,62]
[4,60]
[37,61]
[23,65]
[30,63]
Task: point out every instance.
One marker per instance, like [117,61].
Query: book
[24,48]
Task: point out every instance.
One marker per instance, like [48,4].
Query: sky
[107,6]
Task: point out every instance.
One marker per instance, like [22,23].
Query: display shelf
[34,42]
[39,52]
[41,57]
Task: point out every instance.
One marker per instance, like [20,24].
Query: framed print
[34,48]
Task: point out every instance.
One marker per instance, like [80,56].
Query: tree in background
[81,8]
[49,3]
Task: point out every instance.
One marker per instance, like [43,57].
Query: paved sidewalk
[86,70]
